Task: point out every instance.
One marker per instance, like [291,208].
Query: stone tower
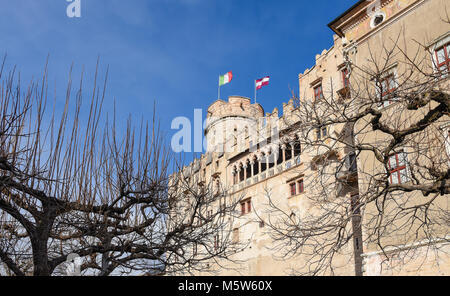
[230,122]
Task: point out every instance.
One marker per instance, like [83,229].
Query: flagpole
[255,91]
[218,90]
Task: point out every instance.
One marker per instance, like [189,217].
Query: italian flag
[224,79]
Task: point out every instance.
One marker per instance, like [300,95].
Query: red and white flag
[261,82]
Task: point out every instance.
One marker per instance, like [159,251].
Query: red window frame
[387,90]
[246,206]
[301,186]
[318,92]
[397,169]
[293,187]
[387,80]
[345,79]
[446,61]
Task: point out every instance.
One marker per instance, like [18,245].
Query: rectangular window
[345,78]
[297,187]
[397,164]
[322,133]
[388,86]
[318,93]
[293,189]
[442,56]
[246,206]
[301,187]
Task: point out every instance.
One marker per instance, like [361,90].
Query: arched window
[279,155]
[271,159]
[241,173]
[248,169]
[235,175]
[297,147]
[288,151]
[255,166]
[263,162]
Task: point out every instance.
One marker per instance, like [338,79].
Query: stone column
[259,163]
[239,175]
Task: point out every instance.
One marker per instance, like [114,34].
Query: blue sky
[170,51]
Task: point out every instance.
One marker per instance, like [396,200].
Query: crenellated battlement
[236,106]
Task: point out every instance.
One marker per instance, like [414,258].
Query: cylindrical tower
[230,122]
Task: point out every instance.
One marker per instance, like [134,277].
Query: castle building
[405,43]
[308,160]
